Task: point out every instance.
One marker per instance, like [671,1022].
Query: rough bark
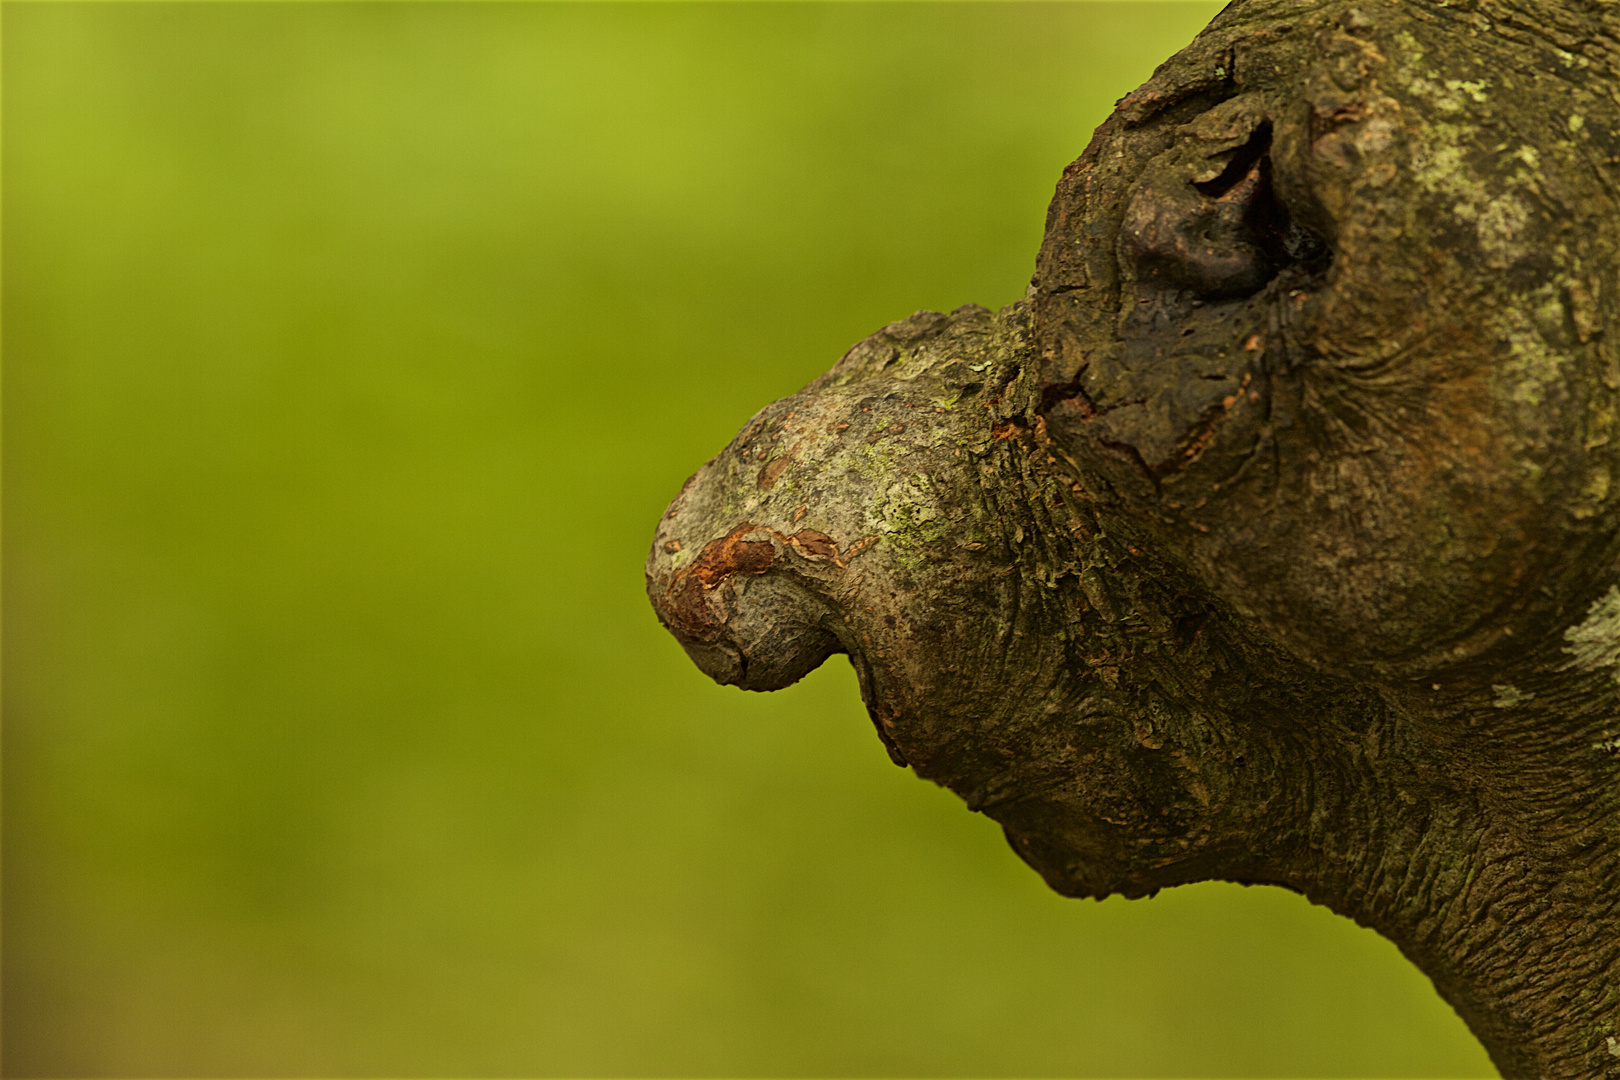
[1271,538]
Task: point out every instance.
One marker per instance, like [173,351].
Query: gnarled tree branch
[1271,538]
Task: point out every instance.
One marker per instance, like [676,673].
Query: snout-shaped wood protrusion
[741,625]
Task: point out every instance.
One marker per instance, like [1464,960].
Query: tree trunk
[1270,539]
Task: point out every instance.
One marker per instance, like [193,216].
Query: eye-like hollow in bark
[1222,238]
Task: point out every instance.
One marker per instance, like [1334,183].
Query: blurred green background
[352,352]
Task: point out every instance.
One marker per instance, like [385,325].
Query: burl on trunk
[1272,537]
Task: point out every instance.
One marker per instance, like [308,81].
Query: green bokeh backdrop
[351,355]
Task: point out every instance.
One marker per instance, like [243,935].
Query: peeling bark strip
[1271,538]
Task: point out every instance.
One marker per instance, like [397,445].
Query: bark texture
[1271,537]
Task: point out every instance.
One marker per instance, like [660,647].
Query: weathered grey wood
[1271,538]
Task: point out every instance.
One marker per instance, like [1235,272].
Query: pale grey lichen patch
[1451,96]
[1508,696]
[1593,492]
[1595,642]
[1532,368]
[1440,164]
[909,514]
[1498,223]
[1411,46]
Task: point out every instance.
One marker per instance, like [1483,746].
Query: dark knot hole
[1230,236]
